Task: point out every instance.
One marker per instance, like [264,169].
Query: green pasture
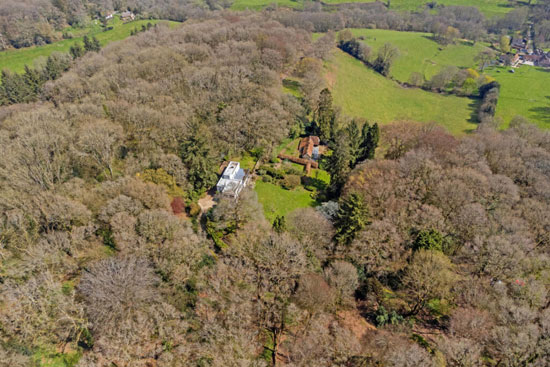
[15,60]
[524,92]
[361,92]
[490,8]
[418,52]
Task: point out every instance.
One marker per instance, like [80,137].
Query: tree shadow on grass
[474,105]
[313,182]
[541,113]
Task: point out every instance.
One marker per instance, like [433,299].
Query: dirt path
[207,201]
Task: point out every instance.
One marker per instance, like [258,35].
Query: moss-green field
[361,92]
[278,201]
[15,60]
[418,52]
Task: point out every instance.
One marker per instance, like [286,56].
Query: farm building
[233,180]
[518,43]
[127,15]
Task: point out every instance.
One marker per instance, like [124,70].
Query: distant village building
[233,180]
[127,15]
[510,59]
[518,43]
[109,16]
[309,147]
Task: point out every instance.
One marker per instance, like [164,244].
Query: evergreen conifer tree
[353,216]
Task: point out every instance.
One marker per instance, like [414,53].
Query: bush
[289,169]
[276,174]
[267,179]
[429,240]
[290,182]
[194,209]
[178,206]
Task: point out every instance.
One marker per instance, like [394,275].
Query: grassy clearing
[419,53]
[260,4]
[524,93]
[278,201]
[15,60]
[363,93]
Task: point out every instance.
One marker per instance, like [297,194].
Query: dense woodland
[429,250]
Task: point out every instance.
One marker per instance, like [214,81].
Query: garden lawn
[278,201]
[524,93]
[361,92]
[419,53]
[292,148]
[15,60]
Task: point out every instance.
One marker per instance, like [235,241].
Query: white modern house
[233,180]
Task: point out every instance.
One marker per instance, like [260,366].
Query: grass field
[260,4]
[15,60]
[363,93]
[419,53]
[524,93]
[278,201]
[488,7]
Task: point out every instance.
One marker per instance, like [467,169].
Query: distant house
[309,147]
[233,180]
[544,62]
[510,59]
[518,43]
[531,60]
[109,16]
[127,15]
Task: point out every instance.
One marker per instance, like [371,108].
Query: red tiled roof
[307,144]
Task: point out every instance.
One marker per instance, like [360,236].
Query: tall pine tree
[325,117]
[353,216]
[339,164]
[354,138]
[196,154]
[370,137]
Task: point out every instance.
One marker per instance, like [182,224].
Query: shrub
[194,209]
[429,240]
[178,206]
[160,177]
[290,182]
[290,169]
